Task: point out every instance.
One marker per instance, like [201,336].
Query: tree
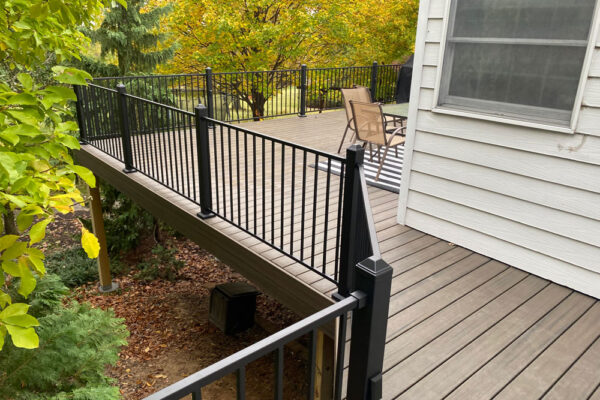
[266,35]
[37,172]
[131,34]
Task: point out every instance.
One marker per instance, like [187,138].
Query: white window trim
[513,120]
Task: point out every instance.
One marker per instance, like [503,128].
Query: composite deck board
[460,325]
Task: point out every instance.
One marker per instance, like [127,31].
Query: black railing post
[125,131]
[303,85]
[374,69]
[369,326]
[79,111]
[352,208]
[203,149]
[209,93]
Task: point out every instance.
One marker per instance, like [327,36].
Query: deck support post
[125,131]
[325,367]
[79,112]
[209,93]
[353,235]
[369,327]
[374,70]
[106,283]
[203,149]
[303,85]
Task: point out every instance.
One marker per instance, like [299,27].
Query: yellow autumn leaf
[90,244]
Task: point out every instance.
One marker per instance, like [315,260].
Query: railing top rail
[335,157]
[372,232]
[257,72]
[158,104]
[257,350]
[103,88]
[102,78]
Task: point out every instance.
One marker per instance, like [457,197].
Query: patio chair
[369,123]
[358,93]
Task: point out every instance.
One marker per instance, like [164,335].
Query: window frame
[470,109]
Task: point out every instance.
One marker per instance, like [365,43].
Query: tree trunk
[258,105]
[10,225]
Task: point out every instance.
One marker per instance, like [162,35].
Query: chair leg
[381,163]
[343,137]
[396,150]
[371,152]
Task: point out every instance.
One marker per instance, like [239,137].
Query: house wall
[526,196]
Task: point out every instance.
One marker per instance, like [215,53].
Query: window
[516,58]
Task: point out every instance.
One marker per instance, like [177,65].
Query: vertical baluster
[314,212]
[237,177]
[312,364]
[292,201]
[327,190]
[125,130]
[264,217]
[203,150]
[279,374]
[223,172]
[341,352]
[231,197]
[303,206]
[339,222]
[282,219]
[241,383]
[272,193]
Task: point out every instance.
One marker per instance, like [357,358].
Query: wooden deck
[460,324]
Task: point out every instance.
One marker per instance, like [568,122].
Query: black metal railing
[364,292]
[283,194]
[310,205]
[254,95]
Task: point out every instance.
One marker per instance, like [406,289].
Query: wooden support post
[325,367]
[106,284]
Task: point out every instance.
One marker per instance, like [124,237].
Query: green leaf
[24,221]
[4,299]
[25,80]
[11,268]
[85,174]
[14,309]
[62,92]
[69,141]
[24,321]
[90,244]
[2,335]
[23,130]
[28,281]
[24,99]
[10,137]
[72,76]
[14,251]
[23,337]
[6,241]
[38,264]
[38,231]
[27,116]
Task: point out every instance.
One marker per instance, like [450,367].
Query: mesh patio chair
[359,93]
[369,123]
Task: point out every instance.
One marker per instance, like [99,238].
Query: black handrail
[273,343]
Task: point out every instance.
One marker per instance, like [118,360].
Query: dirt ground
[171,336]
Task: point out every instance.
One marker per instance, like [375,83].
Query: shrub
[77,342]
[47,296]
[162,264]
[73,266]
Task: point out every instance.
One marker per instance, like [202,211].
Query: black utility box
[232,306]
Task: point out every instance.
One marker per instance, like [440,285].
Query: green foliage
[73,266]
[47,296]
[37,173]
[162,264]
[131,34]
[76,344]
[125,222]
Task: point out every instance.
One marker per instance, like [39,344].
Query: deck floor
[460,325]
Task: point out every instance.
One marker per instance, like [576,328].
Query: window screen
[519,58]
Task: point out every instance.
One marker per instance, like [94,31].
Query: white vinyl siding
[525,196]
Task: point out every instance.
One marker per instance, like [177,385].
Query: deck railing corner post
[374,70]
[80,114]
[125,129]
[203,149]
[369,328]
[303,87]
[209,92]
[350,209]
